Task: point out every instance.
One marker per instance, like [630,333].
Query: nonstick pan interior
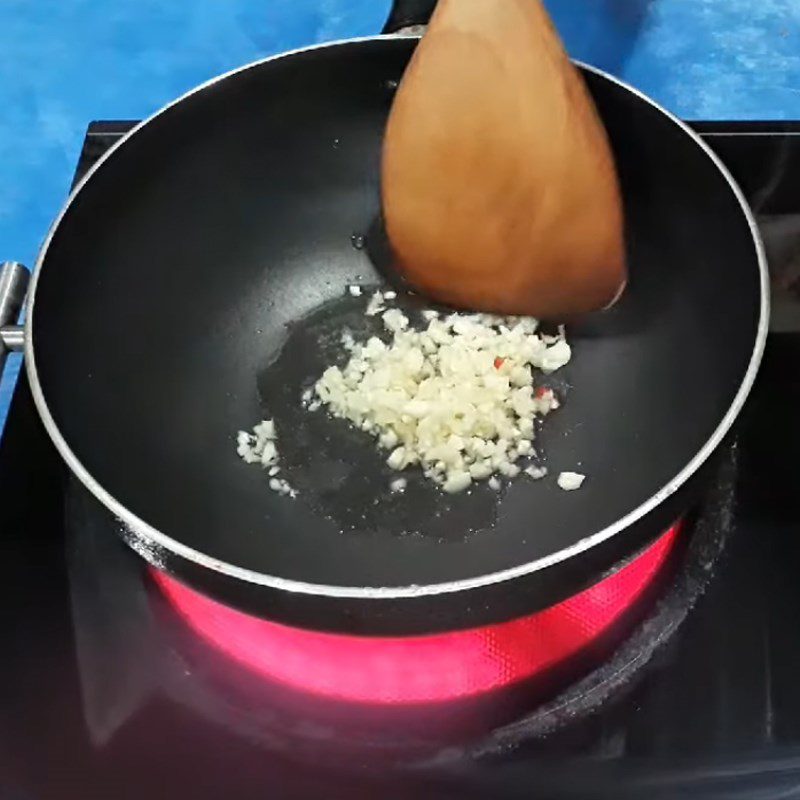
[197,284]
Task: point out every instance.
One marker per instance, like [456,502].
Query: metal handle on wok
[13,285]
[408,16]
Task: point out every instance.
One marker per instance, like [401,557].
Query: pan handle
[13,285]
[407,14]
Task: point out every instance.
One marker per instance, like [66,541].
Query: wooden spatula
[498,185]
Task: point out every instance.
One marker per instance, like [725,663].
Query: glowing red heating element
[420,669]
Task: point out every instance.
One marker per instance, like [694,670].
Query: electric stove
[117,683]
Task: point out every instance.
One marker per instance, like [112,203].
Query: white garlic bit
[570,481]
[398,485]
[261,447]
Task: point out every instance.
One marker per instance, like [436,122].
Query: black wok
[195,280]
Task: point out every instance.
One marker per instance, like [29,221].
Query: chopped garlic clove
[537,473]
[570,481]
[436,396]
[457,482]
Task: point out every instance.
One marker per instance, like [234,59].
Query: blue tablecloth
[65,63]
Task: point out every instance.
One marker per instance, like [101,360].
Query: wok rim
[153,545]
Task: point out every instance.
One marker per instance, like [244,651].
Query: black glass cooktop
[103,694]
